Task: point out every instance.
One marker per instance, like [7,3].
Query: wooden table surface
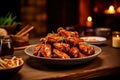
[108,62]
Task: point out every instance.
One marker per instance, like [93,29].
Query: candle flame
[89,19]
[117,35]
[111,10]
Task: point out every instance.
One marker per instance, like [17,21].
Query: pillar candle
[116,40]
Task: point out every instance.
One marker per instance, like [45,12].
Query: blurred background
[47,15]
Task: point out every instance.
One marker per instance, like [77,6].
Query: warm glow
[89,19]
[118,9]
[111,10]
[116,39]
[117,35]
[89,22]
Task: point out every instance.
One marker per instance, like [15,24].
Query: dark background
[65,13]
[12,6]
[62,13]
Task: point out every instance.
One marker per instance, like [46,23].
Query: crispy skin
[66,33]
[74,40]
[75,53]
[37,48]
[52,38]
[91,50]
[86,49]
[62,47]
[60,54]
[46,50]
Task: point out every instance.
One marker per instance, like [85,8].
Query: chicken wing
[62,46]
[74,40]
[60,54]
[52,38]
[75,53]
[37,48]
[46,51]
[66,33]
[86,49]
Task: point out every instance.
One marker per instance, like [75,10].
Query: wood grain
[107,63]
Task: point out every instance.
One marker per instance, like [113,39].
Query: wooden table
[107,63]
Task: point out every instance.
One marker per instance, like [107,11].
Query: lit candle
[116,39]
[89,21]
[111,10]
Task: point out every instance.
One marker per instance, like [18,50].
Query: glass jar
[6,46]
[116,39]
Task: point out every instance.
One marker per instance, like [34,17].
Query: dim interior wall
[33,12]
[84,11]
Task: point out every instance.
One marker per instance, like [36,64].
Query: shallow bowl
[8,72]
[59,61]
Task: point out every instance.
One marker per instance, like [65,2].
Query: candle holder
[116,39]
[103,31]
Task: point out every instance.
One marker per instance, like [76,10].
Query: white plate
[94,39]
[58,61]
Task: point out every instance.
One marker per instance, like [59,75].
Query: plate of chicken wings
[63,48]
